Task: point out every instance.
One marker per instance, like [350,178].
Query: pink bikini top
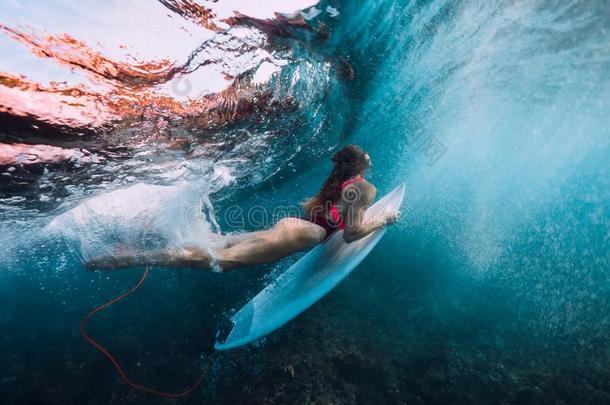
[334,212]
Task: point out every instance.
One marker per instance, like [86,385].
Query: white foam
[138,217]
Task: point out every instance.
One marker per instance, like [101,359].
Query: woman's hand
[391,217]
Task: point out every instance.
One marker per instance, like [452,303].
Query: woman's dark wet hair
[347,163]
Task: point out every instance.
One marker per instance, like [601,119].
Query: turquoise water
[493,287]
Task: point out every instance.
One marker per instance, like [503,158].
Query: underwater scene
[149,147]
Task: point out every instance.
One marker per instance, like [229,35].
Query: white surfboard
[305,282]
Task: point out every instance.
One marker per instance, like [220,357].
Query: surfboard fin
[224,330]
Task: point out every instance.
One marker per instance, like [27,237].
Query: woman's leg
[289,235]
[166,257]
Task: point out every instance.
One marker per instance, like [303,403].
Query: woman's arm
[357,198]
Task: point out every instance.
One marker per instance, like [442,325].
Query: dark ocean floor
[325,364]
[338,352]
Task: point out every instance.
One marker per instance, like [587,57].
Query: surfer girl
[340,204]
